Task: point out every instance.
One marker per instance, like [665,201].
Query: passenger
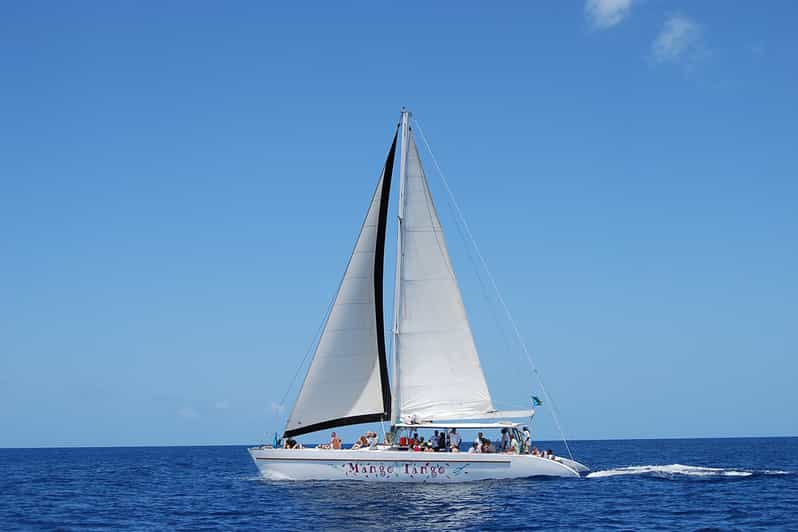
[454,441]
[485,445]
[535,451]
[434,440]
[479,439]
[442,441]
[550,454]
[291,443]
[361,442]
[527,439]
[476,448]
[515,446]
[335,441]
[371,439]
[505,440]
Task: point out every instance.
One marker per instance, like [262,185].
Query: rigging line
[496,289]
[309,349]
[483,285]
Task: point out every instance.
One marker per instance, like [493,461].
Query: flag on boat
[536,401]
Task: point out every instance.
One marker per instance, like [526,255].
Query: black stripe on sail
[333,423]
[379,262]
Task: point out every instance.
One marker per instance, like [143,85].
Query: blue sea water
[635,484]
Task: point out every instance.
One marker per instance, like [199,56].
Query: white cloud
[187,412]
[679,38]
[224,404]
[604,14]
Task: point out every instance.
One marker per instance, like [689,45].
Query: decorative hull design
[401,466]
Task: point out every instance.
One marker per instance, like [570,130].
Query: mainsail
[347,381]
[438,374]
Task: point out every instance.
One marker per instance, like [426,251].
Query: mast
[398,275]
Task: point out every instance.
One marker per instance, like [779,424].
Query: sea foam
[674,470]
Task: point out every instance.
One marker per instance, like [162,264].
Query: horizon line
[175,445]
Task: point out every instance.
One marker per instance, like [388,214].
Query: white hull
[403,466]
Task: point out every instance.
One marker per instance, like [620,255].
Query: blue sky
[181,183]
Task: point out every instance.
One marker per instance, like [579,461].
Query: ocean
[684,484]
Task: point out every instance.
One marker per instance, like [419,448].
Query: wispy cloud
[277,408]
[604,14]
[678,40]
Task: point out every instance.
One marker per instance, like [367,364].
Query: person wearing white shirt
[454,440]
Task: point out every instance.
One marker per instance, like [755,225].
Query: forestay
[439,374]
[347,381]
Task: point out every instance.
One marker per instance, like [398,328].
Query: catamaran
[437,381]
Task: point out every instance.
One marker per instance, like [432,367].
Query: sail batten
[347,380]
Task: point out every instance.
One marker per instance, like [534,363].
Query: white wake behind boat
[437,379]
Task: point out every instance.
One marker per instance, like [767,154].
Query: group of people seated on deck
[512,441]
[548,453]
[366,441]
[439,442]
[291,443]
